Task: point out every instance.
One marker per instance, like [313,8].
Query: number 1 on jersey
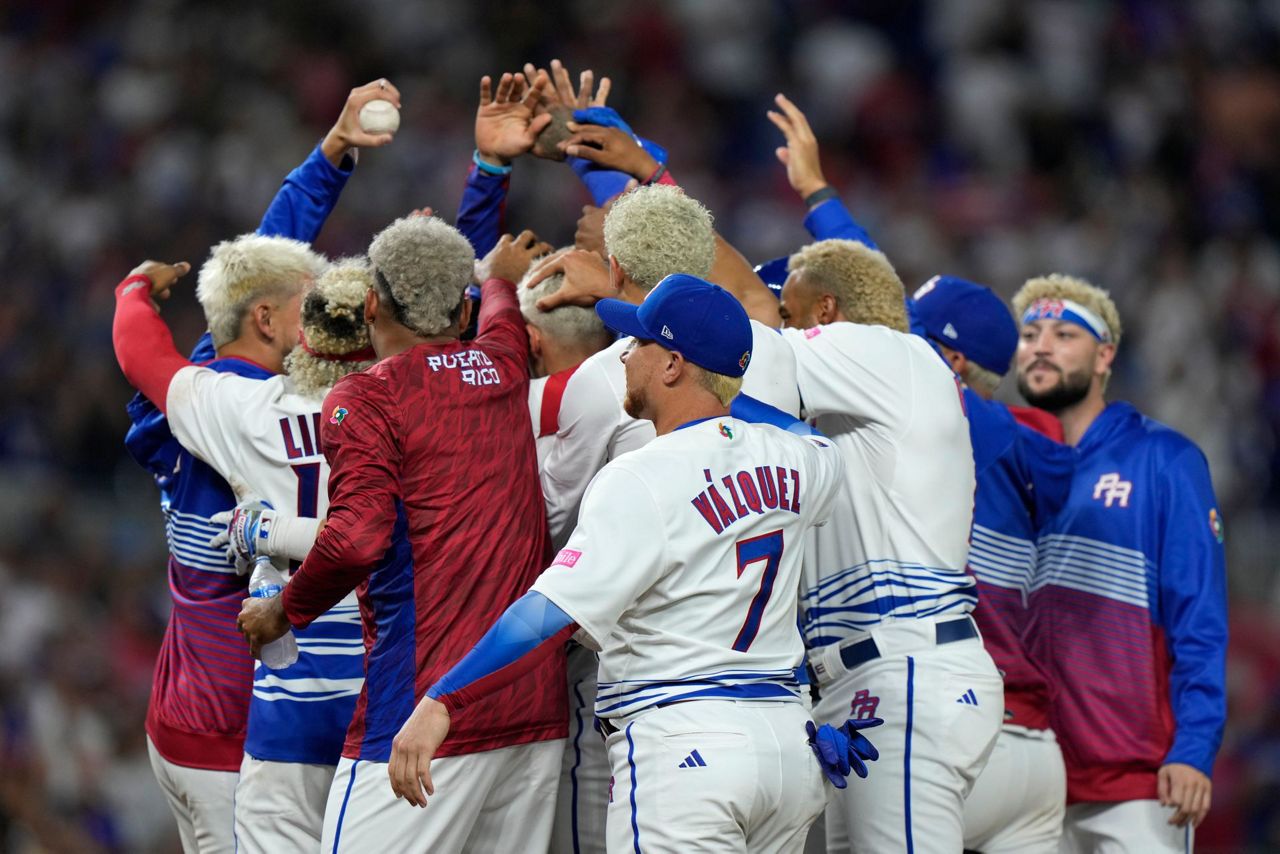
[767,548]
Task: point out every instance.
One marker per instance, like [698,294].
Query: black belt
[857,654]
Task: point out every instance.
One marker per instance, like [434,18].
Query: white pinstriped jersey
[900,537]
[265,436]
[684,568]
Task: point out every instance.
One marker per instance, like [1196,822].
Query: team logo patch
[1215,525]
[863,706]
[745,360]
[726,432]
[567,557]
[1110,489]
[338,414]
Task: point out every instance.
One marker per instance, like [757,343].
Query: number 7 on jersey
[766,548]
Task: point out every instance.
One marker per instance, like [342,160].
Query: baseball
[379,117]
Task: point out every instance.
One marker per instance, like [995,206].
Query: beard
[635,402]
[1069,390]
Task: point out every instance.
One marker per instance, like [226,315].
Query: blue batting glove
[831,746]
[604,116]
[861,750]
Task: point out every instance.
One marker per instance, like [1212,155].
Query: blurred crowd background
[1135,143]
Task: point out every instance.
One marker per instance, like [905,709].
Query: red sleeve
[501,325]
[143,343]
[359,436]
[1044,423]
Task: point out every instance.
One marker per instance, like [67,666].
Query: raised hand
[346,134]
[610,147]
[800,154]
[163,277]
[511,257]
[559,100]
[505,123]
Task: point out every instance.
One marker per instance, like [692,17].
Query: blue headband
[1073,312]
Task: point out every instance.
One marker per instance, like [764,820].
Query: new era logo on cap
[950,332]
[666,333]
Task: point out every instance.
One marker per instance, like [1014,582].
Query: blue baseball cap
[774,274]
[970,319]
[703,322]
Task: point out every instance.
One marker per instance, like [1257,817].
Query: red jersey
[436,519]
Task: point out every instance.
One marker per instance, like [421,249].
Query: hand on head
[511,257]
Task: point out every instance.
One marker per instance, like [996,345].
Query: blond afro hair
[249,268]
[1059,286]
[657,230]
[422,265]
[333,329]
[866,287]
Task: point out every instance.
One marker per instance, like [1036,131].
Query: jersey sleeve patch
[567,557]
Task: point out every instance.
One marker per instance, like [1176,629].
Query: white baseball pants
[942,707]
[202,803]
[498,800]
[280,806]
[1017,805]
[713,776]
[1129,827]
[583,799]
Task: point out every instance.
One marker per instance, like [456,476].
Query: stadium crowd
[1130,143]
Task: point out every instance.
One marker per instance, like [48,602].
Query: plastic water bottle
[266,582]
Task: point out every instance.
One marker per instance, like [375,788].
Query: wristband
[489,168]
[657,174]
[817,197]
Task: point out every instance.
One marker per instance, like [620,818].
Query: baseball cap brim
[621,317]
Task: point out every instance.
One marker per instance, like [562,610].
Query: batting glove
[844,749]
[248,527]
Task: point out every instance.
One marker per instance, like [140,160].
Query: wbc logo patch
[338,414]
[1215,525]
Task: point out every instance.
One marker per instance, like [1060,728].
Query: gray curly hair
[249,268]
[333,329]
[422,266]
[656,231]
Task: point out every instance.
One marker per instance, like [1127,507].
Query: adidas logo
[693,760]
[666,333]
[950,332]
[968,698]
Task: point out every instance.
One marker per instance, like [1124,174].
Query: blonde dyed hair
[333,325]
[1059,286]
[657,230]
[980,378]
[866,288]
[723,386]
[426,265]
[250,268]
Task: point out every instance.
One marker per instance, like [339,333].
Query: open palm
[505,124]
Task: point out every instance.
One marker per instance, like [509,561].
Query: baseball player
[1128,606]
[650,232]
[1023,478]
[197,711]
[886,597]
[436,555]
[687,590]
[262,436]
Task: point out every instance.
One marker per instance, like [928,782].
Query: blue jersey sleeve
[1193,608]
[1050,467]
[532,627]
[604,184]
[831,220]
[483,210]
[306,198]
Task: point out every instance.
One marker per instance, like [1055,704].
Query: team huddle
[631,546]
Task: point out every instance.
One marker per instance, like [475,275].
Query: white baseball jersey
[894,409]
[684,566]
[591,428]
[266,435]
